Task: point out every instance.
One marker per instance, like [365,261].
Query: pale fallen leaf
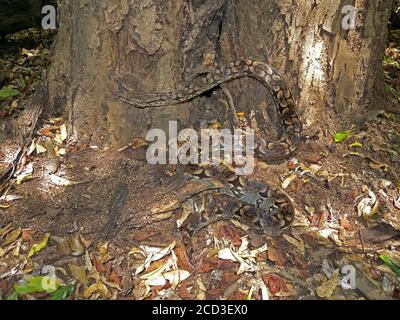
[32,147]
[240,225]
[368,206]
[397,203]
[61,152]
[62,136]
[5,230]
[310,210]
[162,216]
[137,143]
[104,255]
[288,180]
[200,290]
[26,52]
[26,174]
[385,183]
[187,209]
[63,182]
[40,149]
[13,236]
[10,197]
[156,281]
[297,243]
[314,168]
[246,257]
[76,246]
[264,291]
[226,254]
[176,276]
[155,277]
[151,254]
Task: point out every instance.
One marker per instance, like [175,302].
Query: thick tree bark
[16,15]
[157,45]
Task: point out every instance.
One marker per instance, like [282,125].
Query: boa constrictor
[268,210]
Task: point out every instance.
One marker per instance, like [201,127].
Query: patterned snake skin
[268,76]
[256,205]
[267,210]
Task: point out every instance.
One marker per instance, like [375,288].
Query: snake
[256,205]
[266,209]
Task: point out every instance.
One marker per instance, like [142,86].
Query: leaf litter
[345,196]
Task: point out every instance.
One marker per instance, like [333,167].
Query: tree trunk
[16,15]
[154,46]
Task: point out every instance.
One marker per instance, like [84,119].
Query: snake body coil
[268,209]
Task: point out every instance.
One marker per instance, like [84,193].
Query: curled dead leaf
[327,288]
[77,248]
[13,236]
[274,283]
[99,288]
[299,244]
[79,274]
[368,206]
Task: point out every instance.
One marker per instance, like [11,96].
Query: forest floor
[85,223]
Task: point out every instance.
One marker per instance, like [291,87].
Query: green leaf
[250,293]
[356,145]
[389,60]
[392,117]
[38,284]
[37,247]
[62,292]
[13,296]
[391,90]
[394,267]
[8,92]
[342,136]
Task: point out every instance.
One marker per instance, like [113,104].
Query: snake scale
[260,206]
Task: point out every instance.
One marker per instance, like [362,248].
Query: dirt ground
[106,221]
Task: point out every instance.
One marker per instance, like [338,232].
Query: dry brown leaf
[208,264]
[79,274]
[274,283]
[99,288]
[115,278]
[228,232]
[77,248]
[13,236]
[327,288]
[276,255]
[137,143]
[63,247]
[5,230]
[98,265]
[27,234]
[297,243]
[183,260]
